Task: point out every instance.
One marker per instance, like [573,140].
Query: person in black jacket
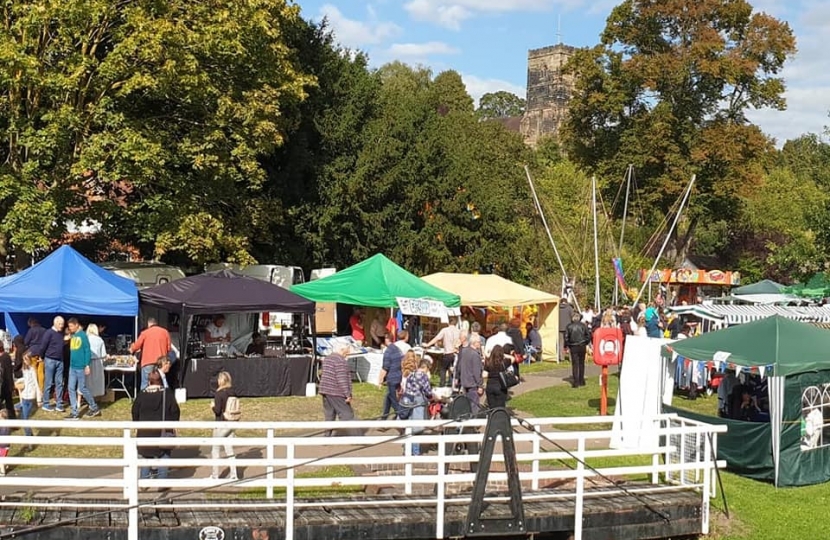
[515,334]
[7,382]
[577,337]
[155,404]
[495,364]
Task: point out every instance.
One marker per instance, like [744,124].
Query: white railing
[685,448]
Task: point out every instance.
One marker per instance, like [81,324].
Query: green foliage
[667,90]
[500,104]
[139,114]
[432,188]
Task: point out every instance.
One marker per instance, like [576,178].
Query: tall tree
[149,117]
[433,187]
[320,151]
[500,104]
[667,90]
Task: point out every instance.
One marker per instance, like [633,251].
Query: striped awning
[740,314]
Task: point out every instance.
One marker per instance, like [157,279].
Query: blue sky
[487,42]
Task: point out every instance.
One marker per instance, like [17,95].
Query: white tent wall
[640,393]
[548,320]
[776,407]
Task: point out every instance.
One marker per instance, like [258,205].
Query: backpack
[233,409]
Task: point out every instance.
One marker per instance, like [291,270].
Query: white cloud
[477,87]
[451,13]
[420,50]
[807,79]
[356,34]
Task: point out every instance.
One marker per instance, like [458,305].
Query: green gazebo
[375,282]
[795,356]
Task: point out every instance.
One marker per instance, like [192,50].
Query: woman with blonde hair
[409,364]
[224,392]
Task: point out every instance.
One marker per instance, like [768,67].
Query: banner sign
[692,277]
[423,307]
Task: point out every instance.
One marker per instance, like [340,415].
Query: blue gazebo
[65,282]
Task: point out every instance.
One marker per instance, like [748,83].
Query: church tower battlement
[548,92]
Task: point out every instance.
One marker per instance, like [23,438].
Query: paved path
[557,377]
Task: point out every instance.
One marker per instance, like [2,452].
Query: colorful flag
[618,271]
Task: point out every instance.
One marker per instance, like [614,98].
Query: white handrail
[286,450]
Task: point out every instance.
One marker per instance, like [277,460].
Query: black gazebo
[226,291]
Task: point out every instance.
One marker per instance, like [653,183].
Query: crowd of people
[470,364]
[53,367]
[576,328]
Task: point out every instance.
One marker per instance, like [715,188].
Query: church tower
[548,92]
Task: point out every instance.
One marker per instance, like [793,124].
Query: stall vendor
[257,345]
[217,332]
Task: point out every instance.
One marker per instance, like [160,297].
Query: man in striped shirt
[336,387]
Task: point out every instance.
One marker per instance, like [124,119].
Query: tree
[319,153]
[500,104]
[432,187]
[667,90]
[778,228]
[145,116]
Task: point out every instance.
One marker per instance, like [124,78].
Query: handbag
[508,378]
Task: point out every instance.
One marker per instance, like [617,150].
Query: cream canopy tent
[489,290]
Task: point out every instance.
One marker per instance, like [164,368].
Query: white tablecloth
[367,365]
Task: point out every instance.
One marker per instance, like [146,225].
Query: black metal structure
[478,524]
[459,408]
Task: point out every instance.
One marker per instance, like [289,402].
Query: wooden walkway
[607,514]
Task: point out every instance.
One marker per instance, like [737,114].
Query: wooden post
[603,400]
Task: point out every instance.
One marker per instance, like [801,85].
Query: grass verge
[758,511]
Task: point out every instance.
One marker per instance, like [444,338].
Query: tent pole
[545,224]
[597,295]
[628,175]
[184,334]
[666,241]
[313,323]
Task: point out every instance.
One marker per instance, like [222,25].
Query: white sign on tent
[424,307]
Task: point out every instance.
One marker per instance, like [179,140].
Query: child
[29,391]
[4,447]
[220,403]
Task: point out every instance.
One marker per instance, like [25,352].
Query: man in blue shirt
[80,356]
[50,348]
[391,374]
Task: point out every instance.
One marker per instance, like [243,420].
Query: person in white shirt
[29,390]
[588,316]
[216,331]
[499,338]
[641,326]
[403,342]
[449,336]
[95,381]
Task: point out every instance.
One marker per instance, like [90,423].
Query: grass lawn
[368,401]
[538,367]
[758,510]
[566,401]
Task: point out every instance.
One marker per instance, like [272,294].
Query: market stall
[68,284]
[792,360]
[687,284]
[274,372]
[489,290]
[378,282]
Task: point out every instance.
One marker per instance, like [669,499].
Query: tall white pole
[666,241]
[536,202]
[597,301]
[628,174]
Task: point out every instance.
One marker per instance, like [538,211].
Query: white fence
[682,454]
